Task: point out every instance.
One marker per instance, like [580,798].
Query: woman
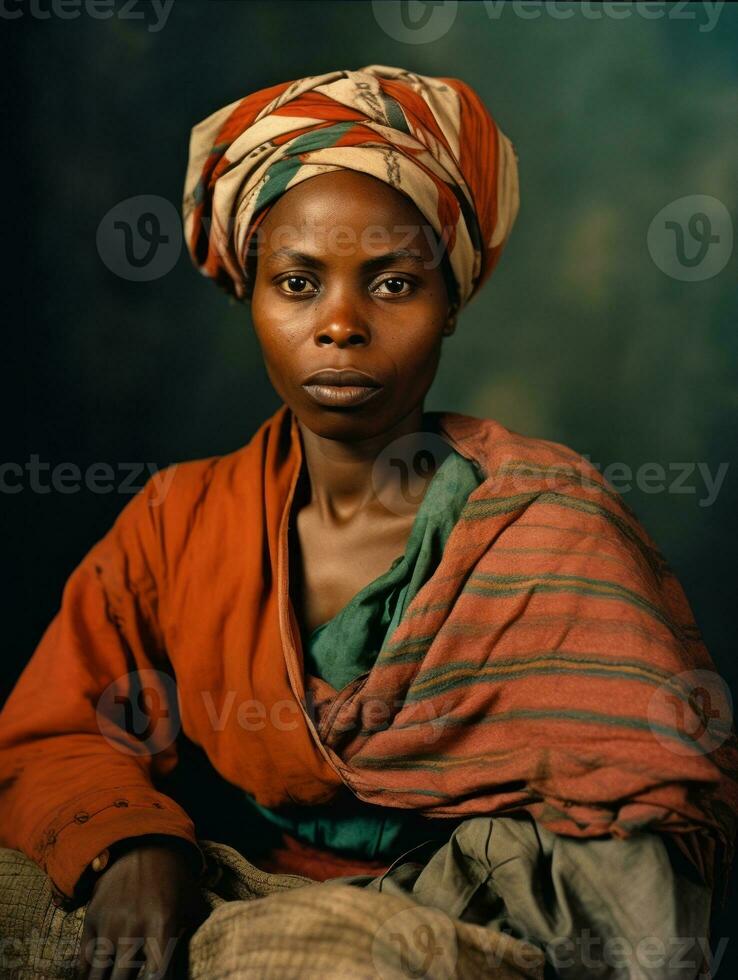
[389,628]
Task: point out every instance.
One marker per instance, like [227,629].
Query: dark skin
[334,311]
[388,320]
[144,907]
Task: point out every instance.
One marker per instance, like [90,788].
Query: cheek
[267,325]
[270,341]
[274,322]
[415,359]
[420,332]
[273,352]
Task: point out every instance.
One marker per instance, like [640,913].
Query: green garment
[346,646]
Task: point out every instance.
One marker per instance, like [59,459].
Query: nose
[341,323]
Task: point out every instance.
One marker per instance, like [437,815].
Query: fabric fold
[539,669]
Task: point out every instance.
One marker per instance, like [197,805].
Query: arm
[73,780]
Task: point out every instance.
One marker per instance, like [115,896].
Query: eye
[392,282]
[298,282]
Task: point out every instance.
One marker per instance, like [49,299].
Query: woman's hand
[144,907]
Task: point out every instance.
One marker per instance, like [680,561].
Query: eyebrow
[374,263]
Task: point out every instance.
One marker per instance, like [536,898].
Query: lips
[345,378]
[334,388]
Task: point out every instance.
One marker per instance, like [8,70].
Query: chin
[347,424]
[344,424]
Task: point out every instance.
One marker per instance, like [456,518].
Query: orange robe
[521,677]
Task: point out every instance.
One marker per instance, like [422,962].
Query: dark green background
[578,336]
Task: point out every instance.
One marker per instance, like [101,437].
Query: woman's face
[328,294]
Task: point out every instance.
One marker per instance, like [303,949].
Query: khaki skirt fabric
[503,898]
[270,926]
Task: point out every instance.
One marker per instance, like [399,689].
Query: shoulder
[159,521]
[550,497]
[501,451]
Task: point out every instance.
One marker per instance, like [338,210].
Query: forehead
[345,204]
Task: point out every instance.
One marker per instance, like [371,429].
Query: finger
[124,971]
[83,959]
[167,960]
[100,956]
[130,961]
[100,973]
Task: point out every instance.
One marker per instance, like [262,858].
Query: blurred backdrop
[609,324]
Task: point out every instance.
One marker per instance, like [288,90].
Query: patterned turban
[431,139]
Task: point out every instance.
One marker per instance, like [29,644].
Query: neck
[341,475]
